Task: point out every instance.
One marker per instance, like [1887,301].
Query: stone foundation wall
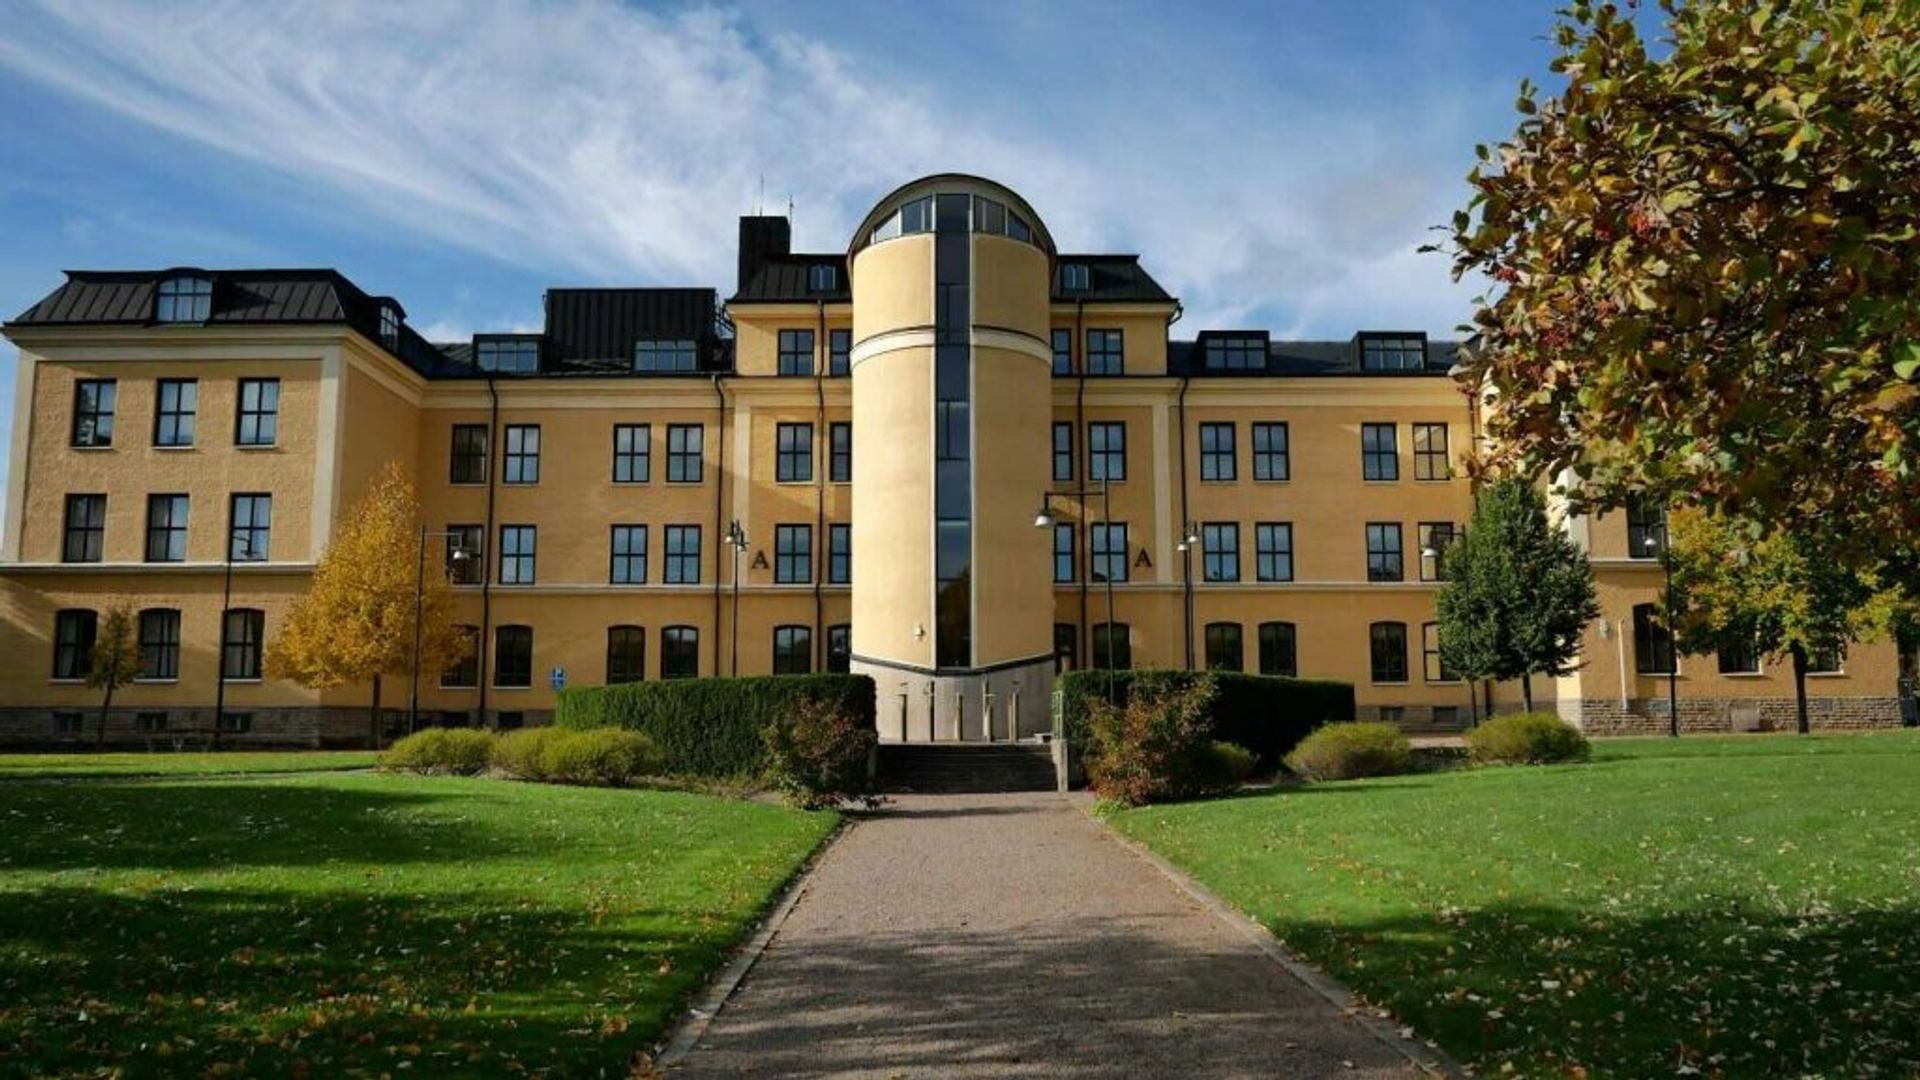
[1651,716]
[193,728]
[1419,716]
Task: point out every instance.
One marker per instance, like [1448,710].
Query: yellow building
[886,459]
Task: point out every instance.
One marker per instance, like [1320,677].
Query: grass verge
[181,764]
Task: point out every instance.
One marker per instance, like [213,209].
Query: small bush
[1347,751]
[522,754]
[456,751]
[1229,764]
[1155,747]
[1534,738]
[817,755]
[605,757]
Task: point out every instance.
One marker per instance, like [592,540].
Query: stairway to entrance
[965,768]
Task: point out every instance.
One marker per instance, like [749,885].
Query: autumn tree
[114,662]
[1518,592]
[356,622]
[1704,266]
[1776,595]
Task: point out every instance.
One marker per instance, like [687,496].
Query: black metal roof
[1110,278]
[788,278]
[1308,358]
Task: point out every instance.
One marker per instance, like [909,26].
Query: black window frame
[249,526]
[1431,462]
[1279,648]
[519,562]
[1435,536]
[1103,452]
[1066,647]
[678,558]
[793,649]
[243,633]
[1225,646]
[83,528]
[471,538]
[1652,643]
[794,352]
[465,672]
[1235,352]
[1219,457]
[1106,647]
[1272,561]
[75,631]
[94,405]
[680,652]
[1379,463]
[1646,528]
[1433,662]
[626,560]
[626,654]
[839,553]
[666,356]
[1220,551]
[507,354]
[1106,352]
[1738,659]
[1062,350]
[183,298]
[519,463]
[1385,561]
[840,452]
[257,422]
[467,455]
[793,554]
[1063,452]
[158,635]
[686,453]
[513,670]
[1065,563]
[176,411]
[167,516]
[822,277]
[839,353]
[1265,458]
[1075,277]
[1392,351]
[1101,557]
[1387,652]
[793,452]
[632,453]
[839,648]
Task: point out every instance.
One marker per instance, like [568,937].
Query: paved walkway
[1005,936]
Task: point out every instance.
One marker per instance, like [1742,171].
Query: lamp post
[1189,539]
[1659,541]
[737,540]
[1044,519]
[236,537]
[459,555]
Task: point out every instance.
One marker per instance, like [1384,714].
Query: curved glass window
[987,216]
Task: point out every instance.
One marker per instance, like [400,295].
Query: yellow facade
[853,353]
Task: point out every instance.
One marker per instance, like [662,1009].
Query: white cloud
[611,143]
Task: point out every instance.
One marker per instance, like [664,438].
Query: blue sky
[1275,164]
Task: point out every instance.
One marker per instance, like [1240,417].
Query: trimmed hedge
[1352,751]
[459,751]
[711,727]
[1535,738]
[1263,713]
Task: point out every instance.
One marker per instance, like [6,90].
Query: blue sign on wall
[558,677]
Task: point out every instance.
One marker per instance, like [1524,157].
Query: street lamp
[1044,519]
[737,540]
[1658,541]
[1189,540]
[458,555]
[237,536]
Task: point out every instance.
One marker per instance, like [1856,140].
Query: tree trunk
[1526,689]
[373,715]
[1799,652]
[100,732]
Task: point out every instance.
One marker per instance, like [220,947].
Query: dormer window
[665,355]
[1236,352]
[390,326]
[510,355]
[822,277]
[1393,352]
[187,298]
[1075,277]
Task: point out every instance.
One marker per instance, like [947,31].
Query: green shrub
[1155,747]
[1263,713]
[711,727]
[605,757]
[817,756]
[1229,764]
[459,751]
[521,753]
[1346,751]
[1534,738]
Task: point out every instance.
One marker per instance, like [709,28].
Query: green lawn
[1742,907]
[180,764]
[322,925]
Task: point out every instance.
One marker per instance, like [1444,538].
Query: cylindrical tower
[952,401]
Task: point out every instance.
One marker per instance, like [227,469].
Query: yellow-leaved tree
[356,623]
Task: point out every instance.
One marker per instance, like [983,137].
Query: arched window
[679,652]
[1279,649]
[792,650]
[184,298]
[1224,652]
[626,654]
[840,648]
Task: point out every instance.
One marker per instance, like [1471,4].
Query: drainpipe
[486,547]
[820,558]
[719,512]
[1076,362]
[1186,572]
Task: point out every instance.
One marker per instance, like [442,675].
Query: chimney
[761,239]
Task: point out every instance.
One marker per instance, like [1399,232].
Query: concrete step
[953,768]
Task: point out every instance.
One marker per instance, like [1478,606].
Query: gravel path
[1007,936]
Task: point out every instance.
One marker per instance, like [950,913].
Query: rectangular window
[93,412]
[679,652]
[1430,453]
[1112,646]
[626,654]
[1279,650]
[632,453]
[1107,451]
[629,566]
[839,353]
[1062,351]
[1066,647]
[822,277]
[796,352]
[150,723]
[1646,528]
[1435,536]
[792,650]
[839,554]
[1220,549]
[1075,277]
[522,464]
[166,528]
[1270,449]
[464,544]
[1652,644]
[793,453]
[1273,551]
[671,355]
[1434,667]
[683,555]
[1063,552]
[1389,651]
[249,527]
[1383,552]
[840,452]
[517,550]
[1063,452]
[1379,452]
[1109,550]
[186,299]
[468,460]
[159,643]
[839,648]
[792,554]
[1237,352]
[1224,651]
[513,656]
[174,406]
[1393,352]
[684,450]
[258,420]
[243,636]
[1217,457]
[84,536]
[465,672]
[1740,659]
[74,631]
[1830,660]
[509,355]
[1106,352]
